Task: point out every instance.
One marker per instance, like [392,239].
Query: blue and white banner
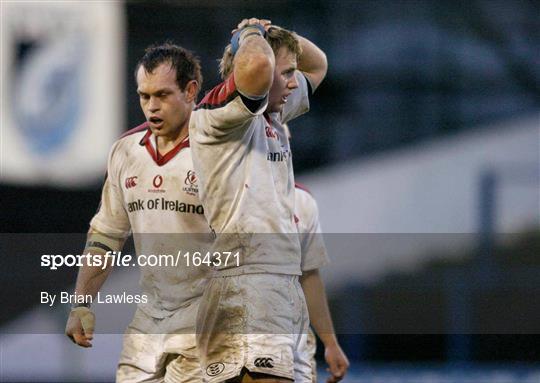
[62,101]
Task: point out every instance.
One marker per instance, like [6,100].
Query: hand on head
[252,21]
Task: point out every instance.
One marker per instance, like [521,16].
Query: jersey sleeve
[224,110]
[112,217]
[314,254]
[298,101]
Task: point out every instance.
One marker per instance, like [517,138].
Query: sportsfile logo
[264,362]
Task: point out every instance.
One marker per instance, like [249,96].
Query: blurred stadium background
[422,148]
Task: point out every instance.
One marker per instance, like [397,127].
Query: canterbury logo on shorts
[264,362]
[215,368]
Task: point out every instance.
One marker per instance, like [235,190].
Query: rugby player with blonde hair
[253,315]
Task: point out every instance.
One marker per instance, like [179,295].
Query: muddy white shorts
[154,352]
[253,321]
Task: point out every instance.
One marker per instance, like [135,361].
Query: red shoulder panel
[219,95]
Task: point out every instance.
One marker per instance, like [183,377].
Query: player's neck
[164,144]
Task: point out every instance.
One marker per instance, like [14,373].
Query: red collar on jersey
[158,158]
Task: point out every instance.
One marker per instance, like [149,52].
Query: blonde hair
[275,36]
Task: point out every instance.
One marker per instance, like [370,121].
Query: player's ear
[192,88]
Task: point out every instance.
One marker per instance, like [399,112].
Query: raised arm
[312,62]
[253,62]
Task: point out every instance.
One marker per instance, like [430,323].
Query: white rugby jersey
[156,198]
[314,254]
[244,164]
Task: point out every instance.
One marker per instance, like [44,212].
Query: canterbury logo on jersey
[130,182]
[264,362]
